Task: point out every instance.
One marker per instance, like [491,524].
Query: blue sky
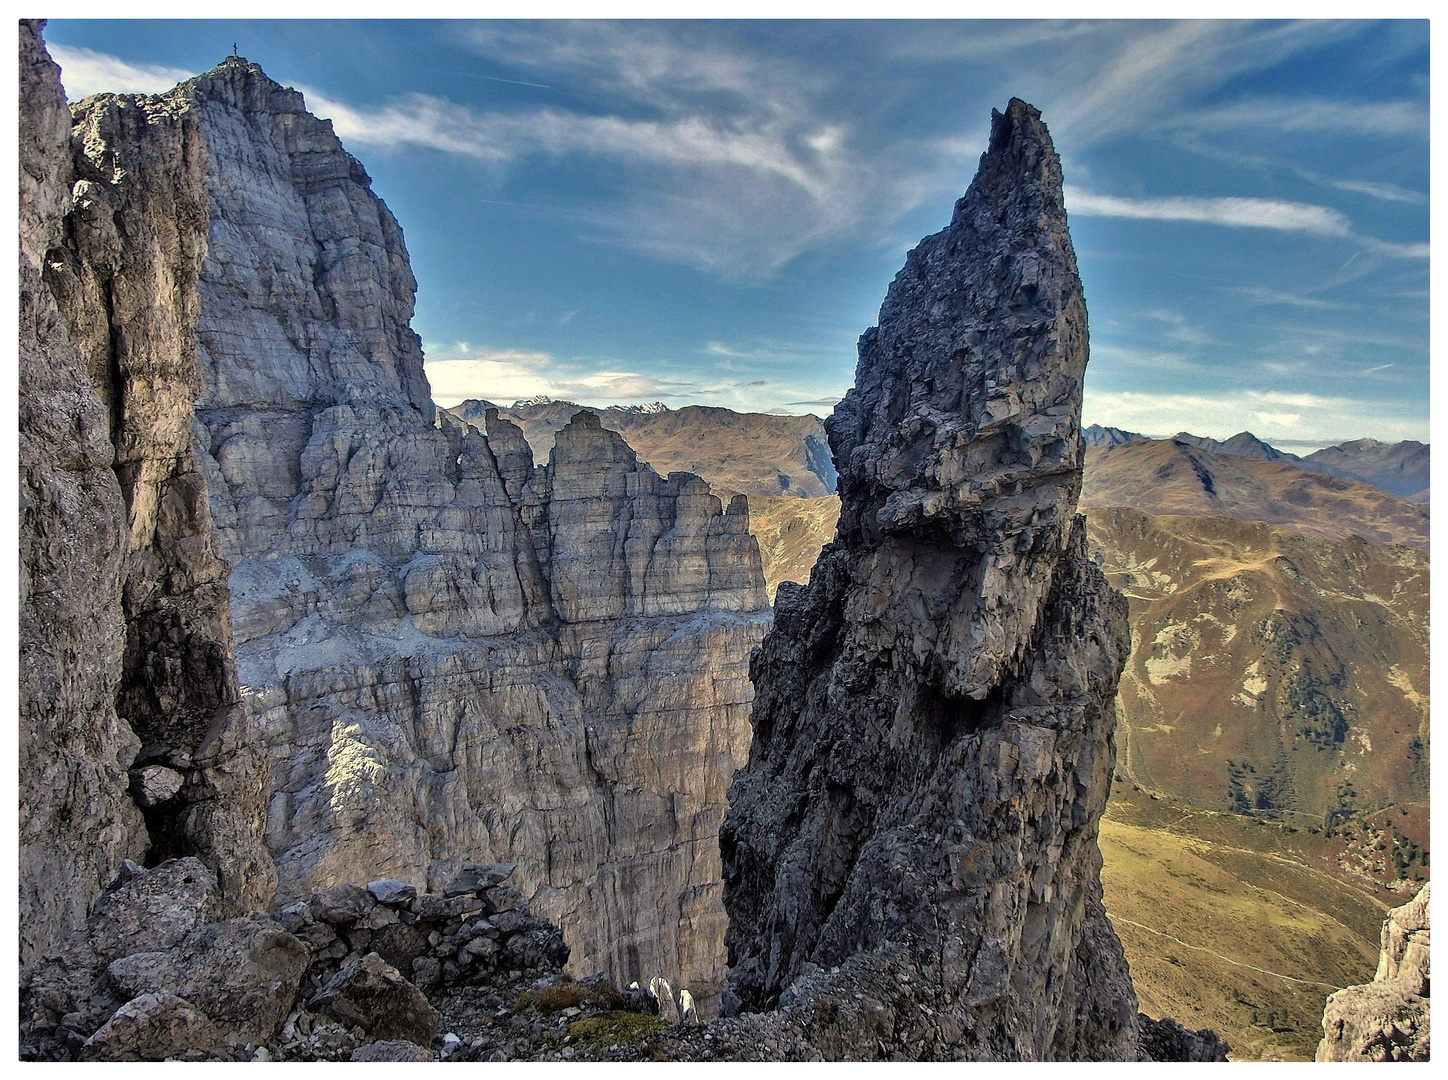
[710,213]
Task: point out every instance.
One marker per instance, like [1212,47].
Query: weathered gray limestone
[77,822]
[352,643]
[934,712]
[1387,1019]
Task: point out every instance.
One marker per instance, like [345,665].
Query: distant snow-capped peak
[651,408]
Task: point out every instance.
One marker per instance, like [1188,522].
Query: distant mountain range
[758,454]
[1242,444]
[1170,476]
[1276,696]
[1096,435]
[1400,468]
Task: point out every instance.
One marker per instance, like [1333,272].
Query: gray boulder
[153,1027]
[141,911]
[474,878]
[342,905]
[392,891]
[152,909]
[154,784]
[242,973]
[372,994]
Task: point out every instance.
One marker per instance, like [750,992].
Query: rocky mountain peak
[934,712]
[964,421]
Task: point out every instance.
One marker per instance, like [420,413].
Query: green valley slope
[1271,673]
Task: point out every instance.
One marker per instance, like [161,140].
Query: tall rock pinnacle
[934,712]
[964,421]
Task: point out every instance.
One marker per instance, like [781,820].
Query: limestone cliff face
[117,212]
[1388,1018]
[385,645]
[77,822]
[934,712]
[128,283]
[449,653]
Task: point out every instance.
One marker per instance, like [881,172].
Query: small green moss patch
[597,1033]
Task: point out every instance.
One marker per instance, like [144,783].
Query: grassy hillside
[1233,924]
[1271,673]
[790,534]
[1162,476]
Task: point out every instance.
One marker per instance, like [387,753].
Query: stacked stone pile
[151,977]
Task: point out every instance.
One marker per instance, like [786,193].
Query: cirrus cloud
[85,72]
[507,375]
[1233,212]
[1236,212]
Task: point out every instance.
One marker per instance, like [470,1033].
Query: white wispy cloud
[916,41]
[1143,78]
[1238,212]
[1106,352]
[410,121]
[819,406]
[1264,295]
[719,155]
[674,68]
[85,72]
[1234,212]
[1387,119]
[1191,140]
[1179,330]
[770,351]
[1379,190]
[502,376]
[739,194]
[507,375]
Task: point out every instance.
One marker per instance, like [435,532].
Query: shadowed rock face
[933,714]
[123,628]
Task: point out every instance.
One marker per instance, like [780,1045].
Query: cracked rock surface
[329,637]
[934,711]
[1387,1019]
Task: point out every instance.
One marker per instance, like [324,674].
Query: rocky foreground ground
[150,978]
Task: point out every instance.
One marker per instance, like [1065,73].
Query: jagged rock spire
[934,712]
[964,423]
